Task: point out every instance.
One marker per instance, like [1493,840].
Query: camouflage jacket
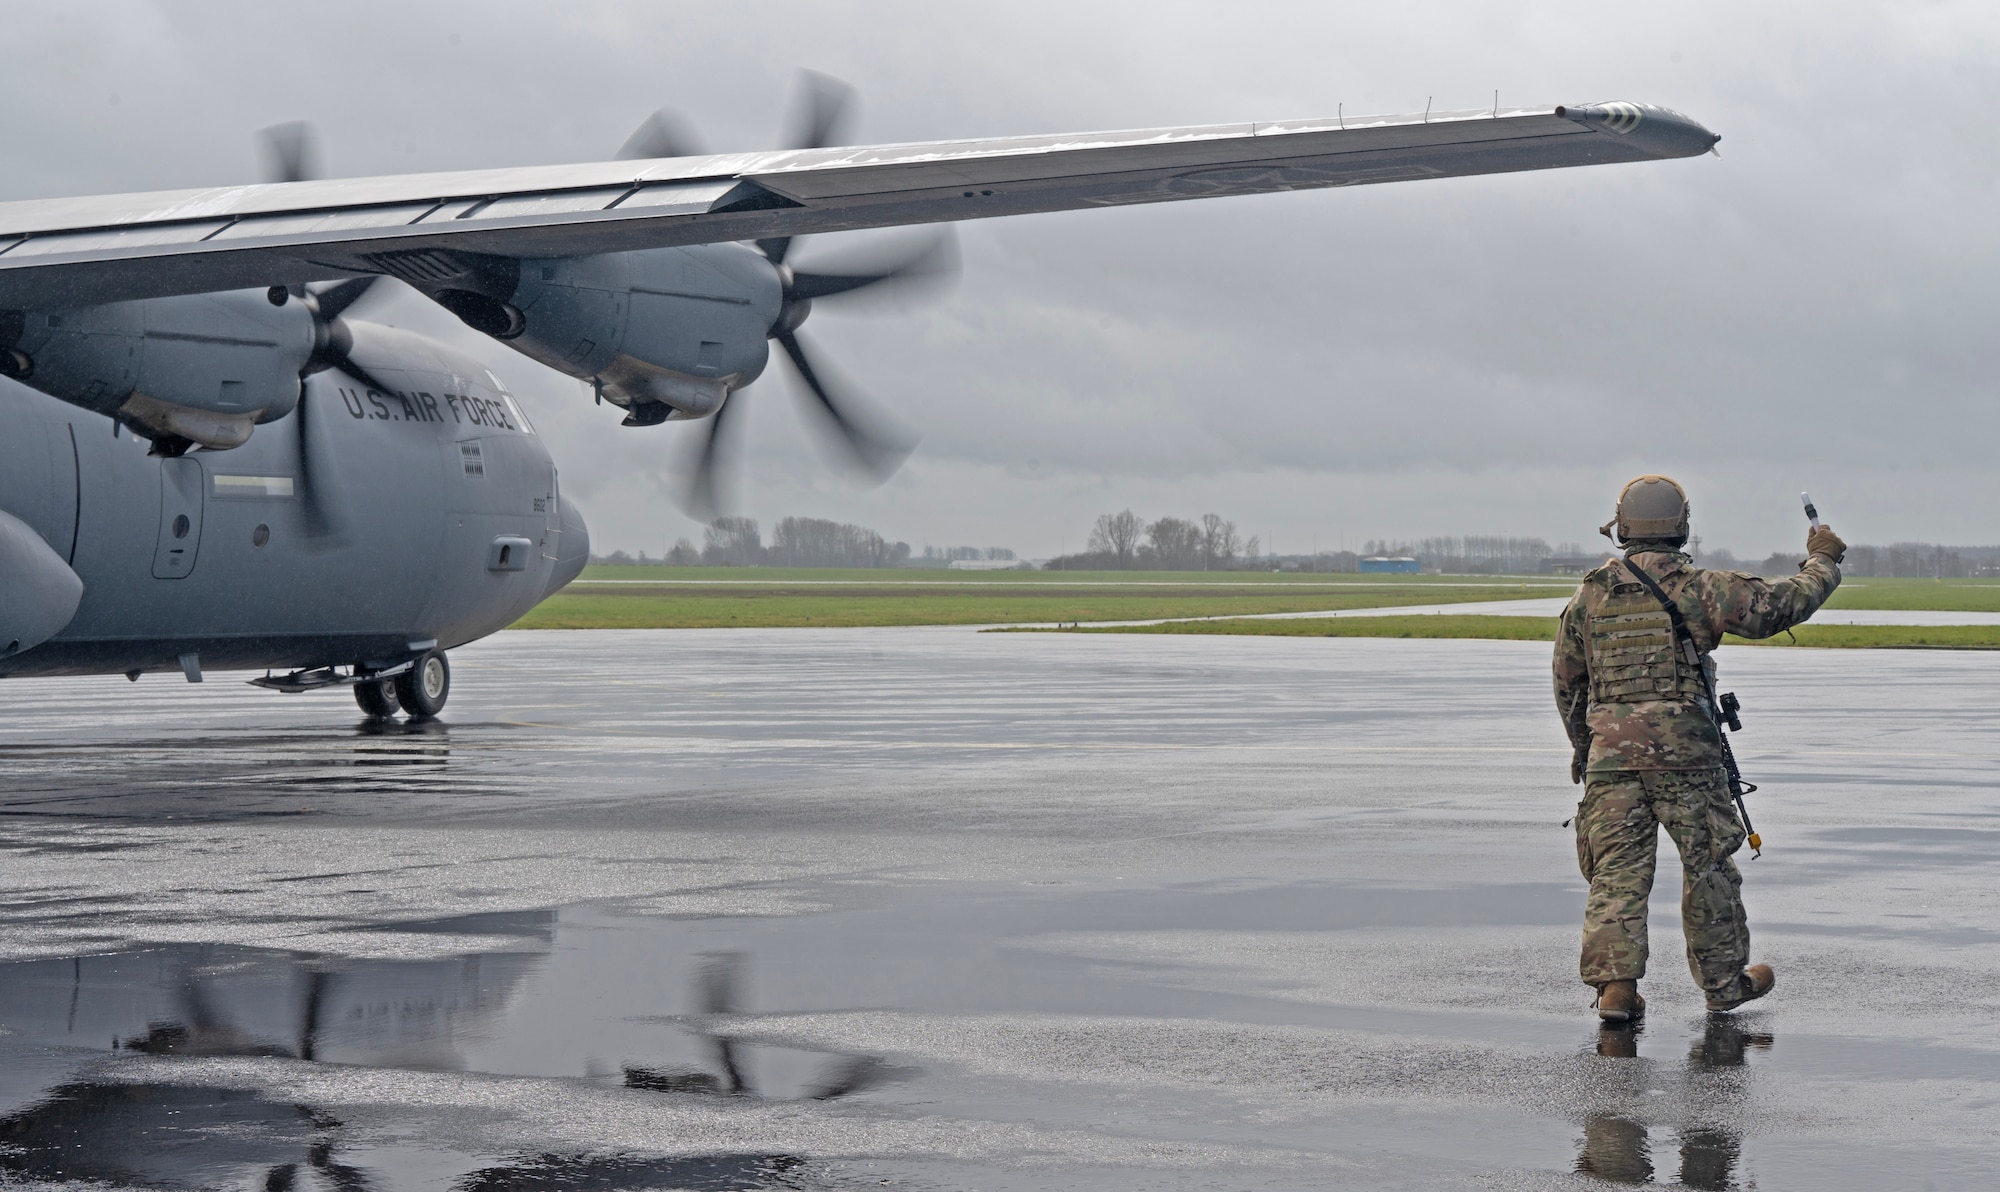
[1621,683]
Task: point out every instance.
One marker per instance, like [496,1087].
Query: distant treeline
[1528,556]
[802,542]
[1125,541]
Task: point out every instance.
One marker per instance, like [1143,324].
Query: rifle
[1723,712]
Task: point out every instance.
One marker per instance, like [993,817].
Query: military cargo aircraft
[212,462]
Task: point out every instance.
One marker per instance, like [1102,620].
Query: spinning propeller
[291,153]
[332,345]
[719,989]
[871,442]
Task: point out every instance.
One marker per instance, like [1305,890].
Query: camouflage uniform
[1655,756]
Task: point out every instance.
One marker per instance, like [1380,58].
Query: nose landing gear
[419,687]
[377,697]
[420,690]
[423,688]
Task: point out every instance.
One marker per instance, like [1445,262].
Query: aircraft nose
[572,551]
[38,592]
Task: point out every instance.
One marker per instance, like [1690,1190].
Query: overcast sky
[1813,309]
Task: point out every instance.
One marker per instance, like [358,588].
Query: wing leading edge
[74,252]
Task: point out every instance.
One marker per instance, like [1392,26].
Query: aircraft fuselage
[420,518]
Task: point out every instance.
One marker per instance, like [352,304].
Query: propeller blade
[877,450]
[338,353]
[733,1081]
[199,1007]
[703,501]
[665,133]
[335,351]
[339,296]
[720,980]
[850,1075]
[821,111]
[319,520]
[934,260]
[717,987]
[368,379]
[291,152]
[309,1019]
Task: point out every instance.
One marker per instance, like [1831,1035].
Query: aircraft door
[181,493]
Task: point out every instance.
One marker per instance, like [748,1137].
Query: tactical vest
[1633,655]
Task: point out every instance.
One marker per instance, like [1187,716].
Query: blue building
[1383,565]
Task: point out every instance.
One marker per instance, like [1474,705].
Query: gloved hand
[1823,541]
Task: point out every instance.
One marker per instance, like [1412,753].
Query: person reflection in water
[1616,1145]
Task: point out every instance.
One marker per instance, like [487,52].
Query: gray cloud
[1478,355]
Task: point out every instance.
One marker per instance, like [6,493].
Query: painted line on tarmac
[1115,747]
[1253,585]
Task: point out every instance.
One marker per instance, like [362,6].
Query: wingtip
[1657,131]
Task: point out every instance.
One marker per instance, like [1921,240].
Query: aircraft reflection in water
[367,763]
[719,988]
[189,1001]
[1617,1146]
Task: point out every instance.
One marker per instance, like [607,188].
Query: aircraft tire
[377,698]
[423,688]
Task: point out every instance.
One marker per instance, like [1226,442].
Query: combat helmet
[1651,507]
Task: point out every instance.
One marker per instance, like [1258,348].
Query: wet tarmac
[940,909]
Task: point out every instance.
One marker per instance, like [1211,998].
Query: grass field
[1908,637]
[843,599]
[1951,595]
[840,605]
[772,597]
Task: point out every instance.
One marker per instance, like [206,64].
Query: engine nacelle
[666,333]
[38,592]
[201,369]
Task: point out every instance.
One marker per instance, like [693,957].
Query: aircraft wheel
[423,688]
[377,697]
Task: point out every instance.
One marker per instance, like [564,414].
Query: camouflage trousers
[1617,841]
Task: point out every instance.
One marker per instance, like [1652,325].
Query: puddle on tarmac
[672,1007]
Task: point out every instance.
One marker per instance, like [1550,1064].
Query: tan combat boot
[1619,1001]
[1755,982]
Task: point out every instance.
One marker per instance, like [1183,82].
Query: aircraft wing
[81,251]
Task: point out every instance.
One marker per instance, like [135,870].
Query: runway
[940,909]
